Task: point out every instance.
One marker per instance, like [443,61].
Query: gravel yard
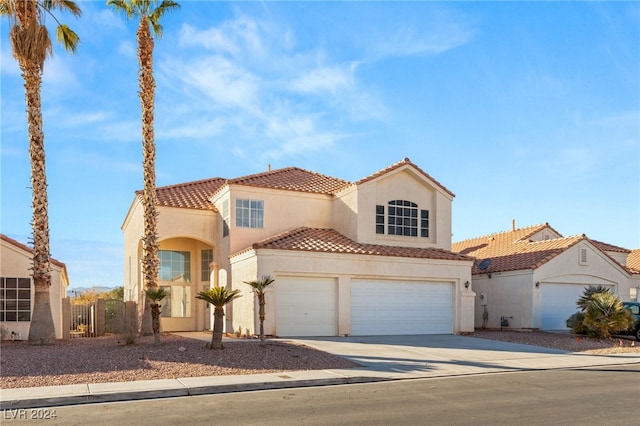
[108,359]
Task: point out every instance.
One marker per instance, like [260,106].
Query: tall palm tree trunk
[261,315]
[41,330]
[147,96]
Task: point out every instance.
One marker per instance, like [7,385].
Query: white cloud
[236,37]
[325,79]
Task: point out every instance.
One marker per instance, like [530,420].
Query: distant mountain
[72,292]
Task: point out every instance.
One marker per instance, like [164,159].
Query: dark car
[634,308]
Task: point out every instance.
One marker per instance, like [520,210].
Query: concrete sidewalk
[381,358]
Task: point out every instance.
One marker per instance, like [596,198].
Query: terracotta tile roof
[292,179]
[331,241]
[196,195]
[498,241]
[633,261]
[188,195]
[28,249]
[512,250]
[609,247]
[399,164]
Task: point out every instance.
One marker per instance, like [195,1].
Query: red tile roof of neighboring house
[29,249]
[399,164]
[609,247]
[513,250]
[331,241]
[633,261]
[189,195]
[499,242]
[292,179]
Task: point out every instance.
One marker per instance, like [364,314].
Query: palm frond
[260,285]
[67,37]
[218,296]
[156,294]
[63,5]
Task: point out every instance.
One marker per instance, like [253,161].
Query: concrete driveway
[447,355]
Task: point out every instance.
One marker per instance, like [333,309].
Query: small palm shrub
[605,315]
[585,299]
[601,314]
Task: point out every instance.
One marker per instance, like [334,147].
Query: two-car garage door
[384,307]
[309,307]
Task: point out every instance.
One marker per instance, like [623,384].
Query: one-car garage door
[558,304]
[392,307]
[306,307]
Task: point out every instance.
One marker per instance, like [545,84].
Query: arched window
[402,218]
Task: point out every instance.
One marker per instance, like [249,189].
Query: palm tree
[218,297]
[31,46]
[606,315]
[259,287]
[150,13]
[588,293]
[156,295]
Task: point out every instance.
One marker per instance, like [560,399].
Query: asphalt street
[606,395]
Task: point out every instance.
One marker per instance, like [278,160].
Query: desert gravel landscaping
[108,359]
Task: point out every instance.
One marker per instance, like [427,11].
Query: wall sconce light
[537,284]
[466,284]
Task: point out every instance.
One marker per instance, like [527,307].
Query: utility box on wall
[483,299]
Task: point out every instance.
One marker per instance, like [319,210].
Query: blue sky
[526,111]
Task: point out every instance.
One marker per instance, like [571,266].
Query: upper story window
[250,213]
[225,218]
[402,218]
[175,266]
[206,257]
[15,299]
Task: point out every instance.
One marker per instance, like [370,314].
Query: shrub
[606,315]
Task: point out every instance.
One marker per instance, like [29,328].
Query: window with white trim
[15,299]
[249,213]
[402,218]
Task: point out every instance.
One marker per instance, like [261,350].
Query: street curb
[92,398]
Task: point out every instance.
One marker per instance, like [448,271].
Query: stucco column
[467,313]
[344,306]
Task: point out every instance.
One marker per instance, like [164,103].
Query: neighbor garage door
[391,307]
[306,307]
[558,304]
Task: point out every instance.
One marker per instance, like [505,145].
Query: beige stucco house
[532,277]
[17,292]
[348,258]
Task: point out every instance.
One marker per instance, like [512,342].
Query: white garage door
[306,307]
[558,304]
[391,307]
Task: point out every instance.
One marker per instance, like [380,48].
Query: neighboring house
[633,266]
[532,277]
[17,292]
[364,258]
